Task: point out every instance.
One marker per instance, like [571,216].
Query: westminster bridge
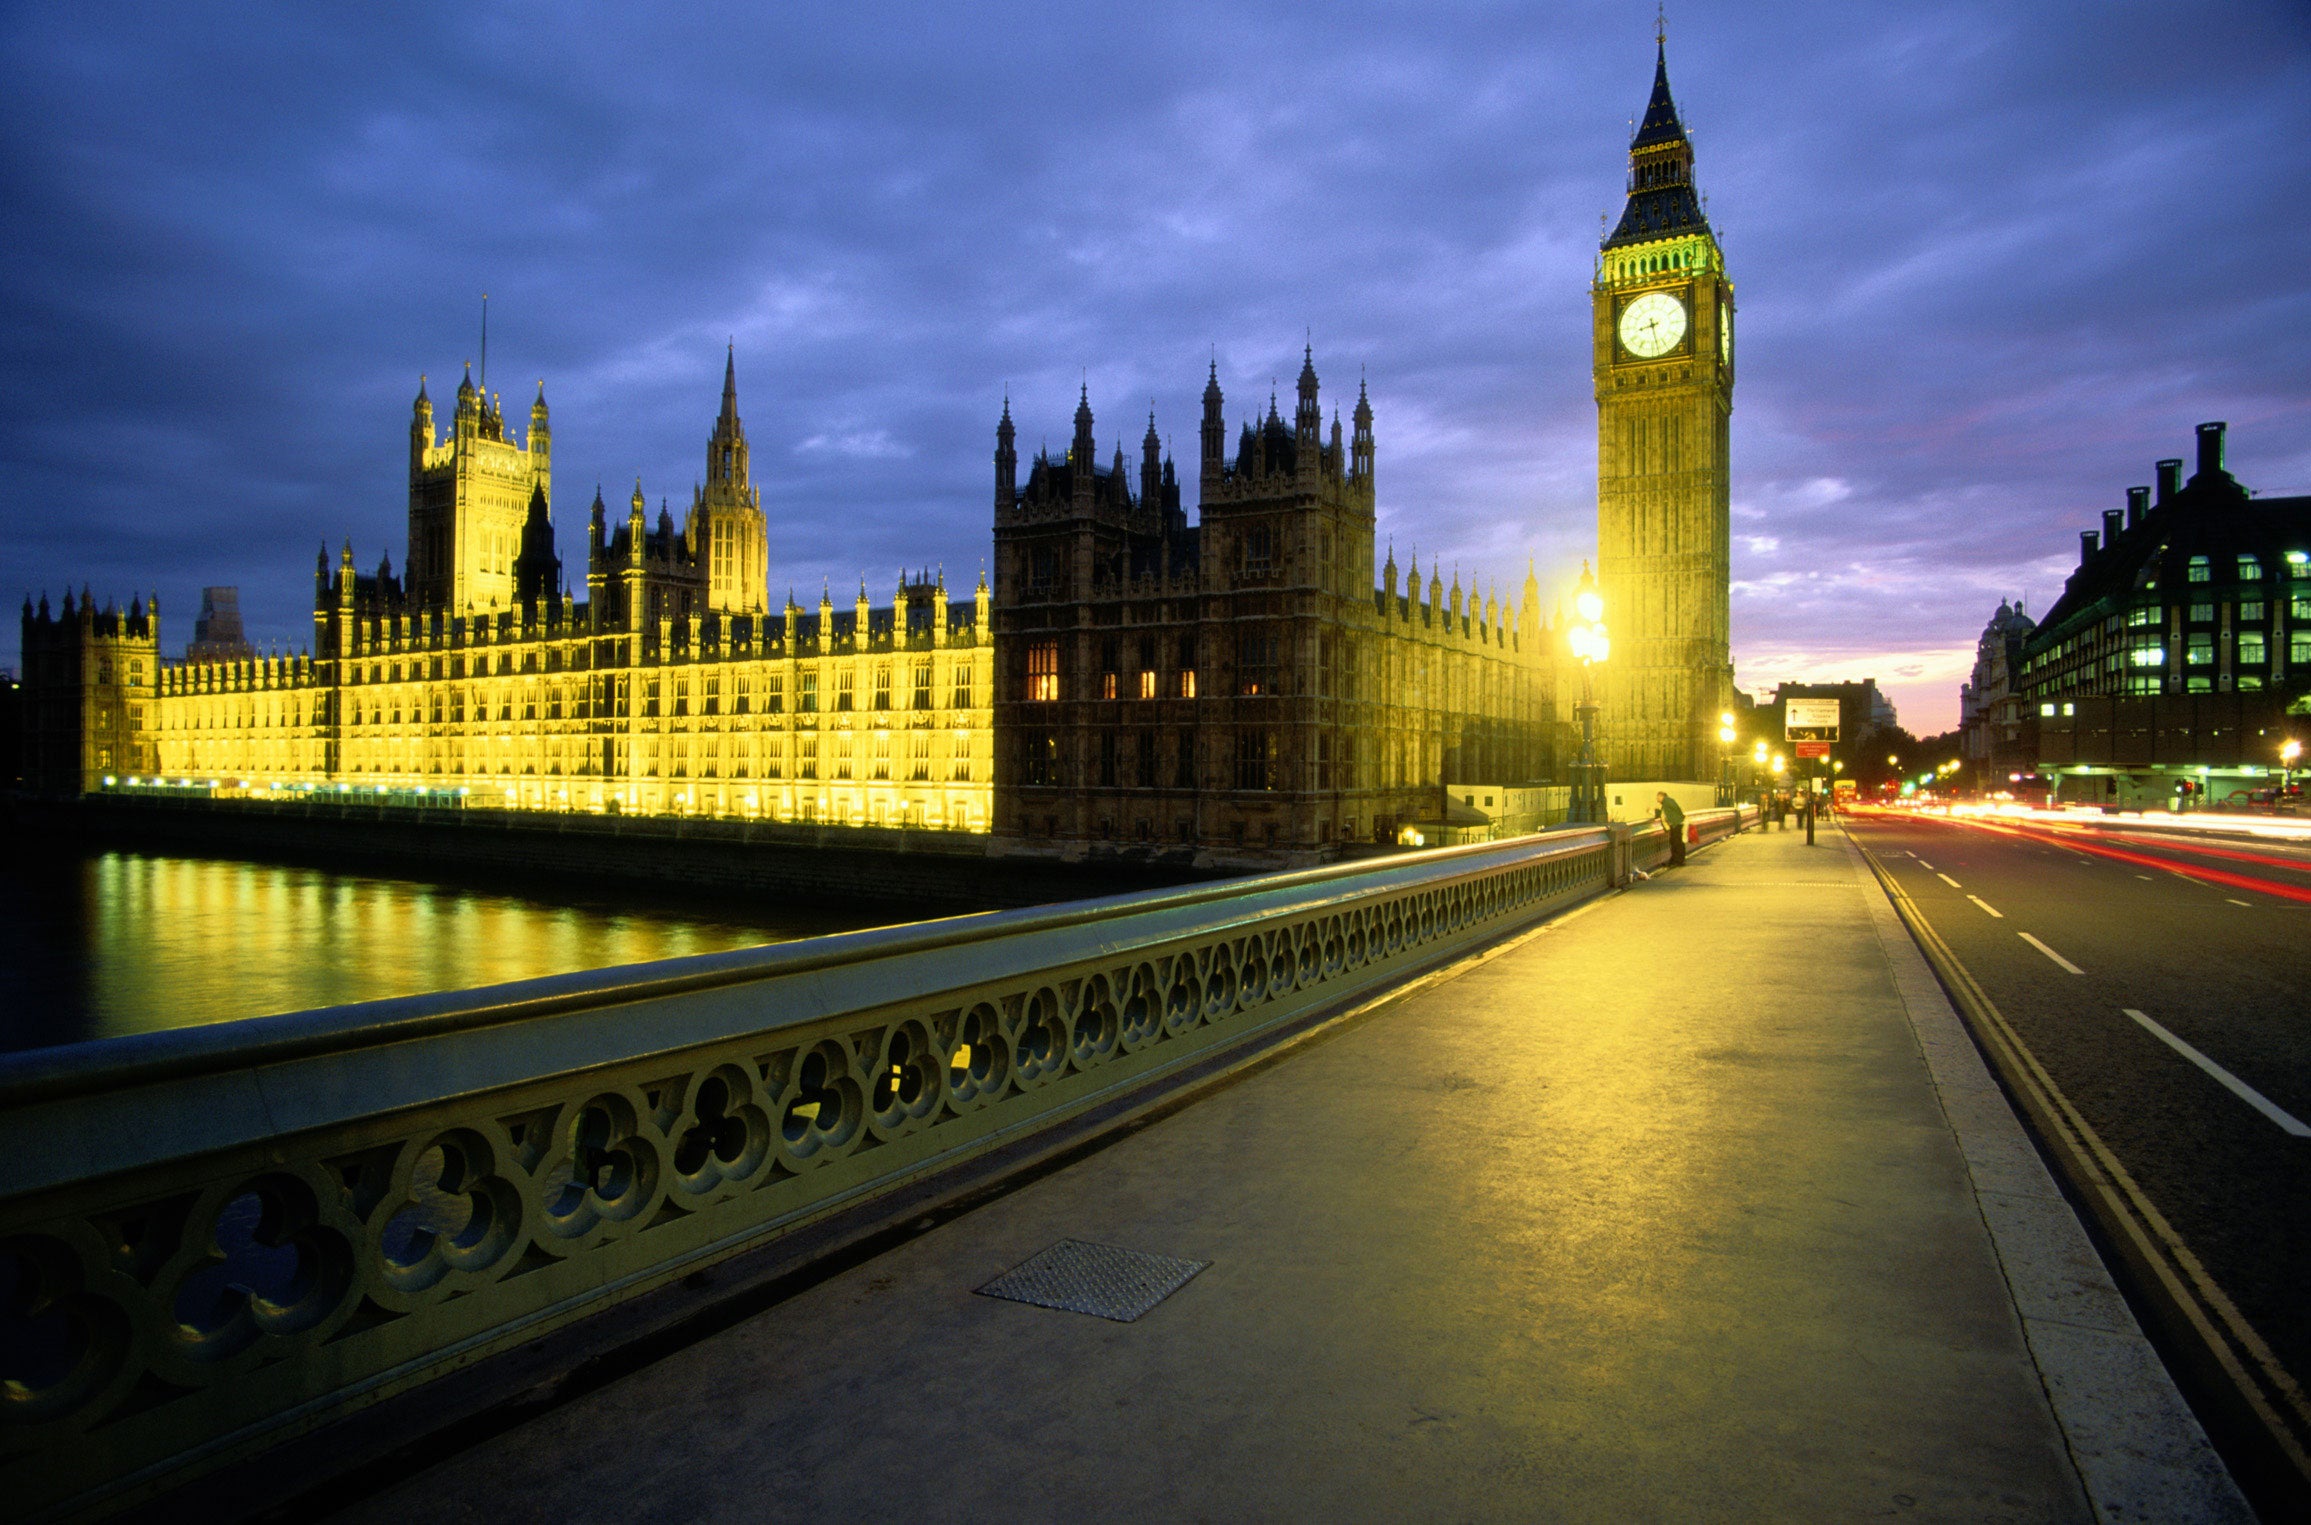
[1456,1185]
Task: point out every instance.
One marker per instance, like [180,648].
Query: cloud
[1992,261]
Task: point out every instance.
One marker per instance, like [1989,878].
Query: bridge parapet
[214,1239]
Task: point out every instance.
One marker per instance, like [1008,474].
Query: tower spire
[1662,202]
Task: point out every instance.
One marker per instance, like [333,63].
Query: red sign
[1807,749]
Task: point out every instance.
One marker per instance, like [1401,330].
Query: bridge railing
[213,1239]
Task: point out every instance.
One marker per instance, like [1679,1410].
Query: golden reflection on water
[176,942]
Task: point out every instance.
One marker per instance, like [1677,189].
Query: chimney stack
[2170,478]
[2211,451]
[2085,547]
[2138,502]
[2110,523]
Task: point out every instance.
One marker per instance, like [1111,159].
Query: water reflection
[114,943]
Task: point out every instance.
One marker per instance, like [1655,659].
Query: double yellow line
[2268,1418]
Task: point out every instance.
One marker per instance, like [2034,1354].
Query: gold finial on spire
[1660,23]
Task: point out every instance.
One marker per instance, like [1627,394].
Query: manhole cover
[1098,1279]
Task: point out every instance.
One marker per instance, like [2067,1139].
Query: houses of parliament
[1256,684]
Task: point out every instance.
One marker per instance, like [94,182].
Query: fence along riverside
[217,1238]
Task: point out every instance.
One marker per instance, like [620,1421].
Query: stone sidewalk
[1692,1205]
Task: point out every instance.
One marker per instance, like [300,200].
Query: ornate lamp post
[1591,645]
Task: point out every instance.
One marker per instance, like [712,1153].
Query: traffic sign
[1810,720]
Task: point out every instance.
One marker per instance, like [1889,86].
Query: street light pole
[1591,645]
[1725,738]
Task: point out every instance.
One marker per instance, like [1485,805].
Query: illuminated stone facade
[670,689]
[1240,685]
[1662,309]
[89,678]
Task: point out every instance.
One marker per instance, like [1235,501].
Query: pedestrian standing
[1672,815]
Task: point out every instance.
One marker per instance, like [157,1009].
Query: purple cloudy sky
[1993,259]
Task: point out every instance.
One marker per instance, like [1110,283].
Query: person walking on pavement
[1672,815]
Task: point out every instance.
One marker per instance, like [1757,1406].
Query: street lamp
[2290,752]
[1591,645]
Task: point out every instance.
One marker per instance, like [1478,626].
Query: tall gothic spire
[1662,202]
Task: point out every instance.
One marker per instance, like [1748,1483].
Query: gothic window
[882,685]
[962,757]
[1110,660]
[846,683]
[713,694]
[1145,774]
[1256,662]
[1255,759]
[1042,758]
[1043,671]
[843,743]
[1107,752]
[1259,550]
[923,684]
[882,754]
[919,756]
[962,696]
[806,756]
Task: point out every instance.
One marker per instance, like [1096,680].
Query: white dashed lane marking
[1987,906]
[1946,879]
[2050,953]
[2230,1082]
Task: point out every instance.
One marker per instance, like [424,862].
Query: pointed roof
[1661,124]
[1662,201]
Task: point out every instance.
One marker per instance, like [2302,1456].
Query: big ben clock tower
[1663,346]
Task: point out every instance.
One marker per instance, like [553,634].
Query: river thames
[103,944]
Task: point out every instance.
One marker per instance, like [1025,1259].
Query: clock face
[1652,325]
[1725,332]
